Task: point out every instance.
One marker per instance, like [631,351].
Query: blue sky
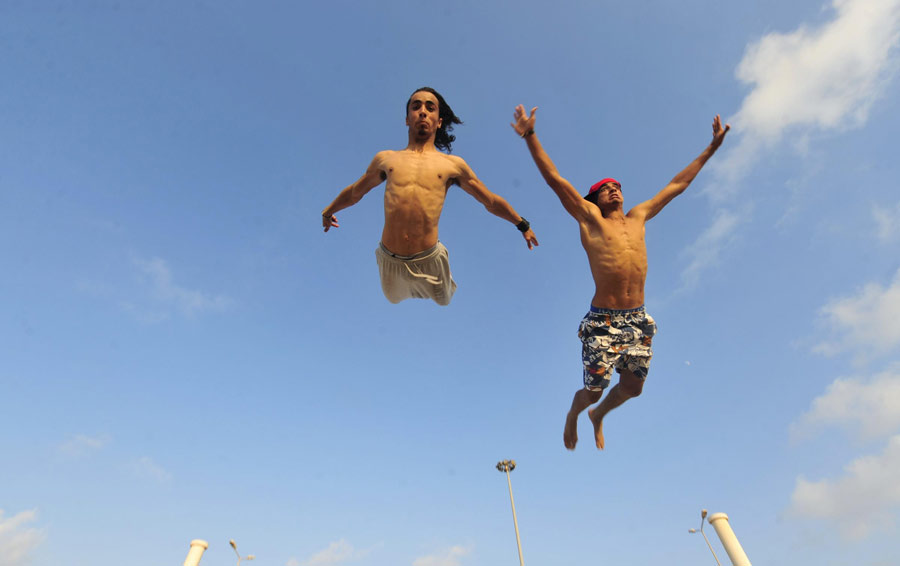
[185,354]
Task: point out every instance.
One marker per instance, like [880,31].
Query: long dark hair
[442,138]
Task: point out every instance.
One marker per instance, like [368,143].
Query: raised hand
[718,132]
[523,122]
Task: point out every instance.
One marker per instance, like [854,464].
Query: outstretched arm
[351,195]
[650,208]
[571,200]
[495,204]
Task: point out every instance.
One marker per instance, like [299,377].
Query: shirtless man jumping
[411,261]
[616,332]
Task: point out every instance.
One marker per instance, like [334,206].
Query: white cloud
[871,406]
[449,557]
[813,79]
[338,552]
[864,500]
[887,223]
[144,467]
[823,78]
[157,276]
[17,539]
[809,80]
[867,323]
[80,445]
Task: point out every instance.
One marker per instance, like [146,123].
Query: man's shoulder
[384,154]
[638,213]
[450,158]
[458,165]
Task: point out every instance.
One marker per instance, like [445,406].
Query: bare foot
[570,434]
[598,428]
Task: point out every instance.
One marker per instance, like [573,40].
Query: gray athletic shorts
[425,275]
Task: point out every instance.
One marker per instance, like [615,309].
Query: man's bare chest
[425,172]
[615,235]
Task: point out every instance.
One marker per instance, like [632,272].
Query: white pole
[197,548]
[729,540]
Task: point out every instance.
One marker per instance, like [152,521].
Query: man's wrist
[528,132]
[523,225]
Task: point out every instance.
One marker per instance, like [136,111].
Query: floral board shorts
[617,339]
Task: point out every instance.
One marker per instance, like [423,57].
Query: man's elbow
[493,206]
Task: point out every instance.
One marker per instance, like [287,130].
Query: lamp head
[703,514]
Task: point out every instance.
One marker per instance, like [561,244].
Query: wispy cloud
[810,80]
[867,323]
[17,539]
[865,499]
[871,407]
[152,294]
[448,557]
[887,223]
[705,251]
[145,468]
[337,553]
[167,296]
[80,445]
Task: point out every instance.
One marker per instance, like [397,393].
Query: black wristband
[523,226]
[528,133]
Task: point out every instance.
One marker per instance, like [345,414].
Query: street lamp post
[234,546]
[702,517]
[508,466]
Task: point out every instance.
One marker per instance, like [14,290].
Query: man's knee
[633,389]
[630,384]
[591,395]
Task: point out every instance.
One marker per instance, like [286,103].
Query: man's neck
[420,144]
[613,212]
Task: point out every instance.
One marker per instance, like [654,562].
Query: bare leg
[582,400]
[629,386]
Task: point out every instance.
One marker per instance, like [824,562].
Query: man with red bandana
[616,333]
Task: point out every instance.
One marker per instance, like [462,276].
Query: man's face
[609,193]
[422,114]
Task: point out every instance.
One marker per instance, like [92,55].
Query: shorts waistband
[635,310]
[408,257]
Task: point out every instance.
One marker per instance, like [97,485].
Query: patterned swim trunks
[617,339]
